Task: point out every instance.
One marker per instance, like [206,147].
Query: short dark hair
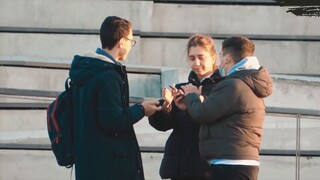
[112,30]
[239,47]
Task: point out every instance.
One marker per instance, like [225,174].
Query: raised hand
[189,88]
[178,100]
[167,97]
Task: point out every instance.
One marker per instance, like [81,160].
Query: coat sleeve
[162,121]
[220,102]
[112,114]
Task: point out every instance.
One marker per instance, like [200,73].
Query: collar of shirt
[206,78]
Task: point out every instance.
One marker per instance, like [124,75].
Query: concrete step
[280,56]
[141,85]
[304,89]
[41,165]
[29,127]
[158,17]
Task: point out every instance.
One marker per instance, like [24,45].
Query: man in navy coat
[106,147]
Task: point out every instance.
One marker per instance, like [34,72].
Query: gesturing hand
[178,100]
[150,107]
[189,88]
[167,97]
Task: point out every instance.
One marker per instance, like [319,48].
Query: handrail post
[298,136]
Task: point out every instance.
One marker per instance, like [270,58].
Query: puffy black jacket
[182,158]
[232,116]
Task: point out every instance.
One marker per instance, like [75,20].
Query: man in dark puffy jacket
[106,147]
[232,115]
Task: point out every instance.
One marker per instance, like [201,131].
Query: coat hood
[258,80]
[85,67]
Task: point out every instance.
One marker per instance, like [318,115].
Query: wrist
[142,108]
[166,107]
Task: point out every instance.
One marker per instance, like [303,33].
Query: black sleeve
[163,121]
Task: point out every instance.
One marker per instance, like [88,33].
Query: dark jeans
[234,172]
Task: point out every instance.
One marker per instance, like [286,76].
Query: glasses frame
[132,41]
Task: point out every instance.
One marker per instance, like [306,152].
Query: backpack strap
[68,84]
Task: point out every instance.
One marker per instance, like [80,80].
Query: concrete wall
[280,56]
[149,16]
[141,85]
[296,57]
[295,92]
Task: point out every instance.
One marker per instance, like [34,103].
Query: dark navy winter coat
[106,147]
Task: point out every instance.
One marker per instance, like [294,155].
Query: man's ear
[120,43]
[228,58]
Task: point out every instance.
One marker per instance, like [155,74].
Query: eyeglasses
[133,42]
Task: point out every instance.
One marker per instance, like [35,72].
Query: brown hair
[112,30]
[205,42]
[239,47]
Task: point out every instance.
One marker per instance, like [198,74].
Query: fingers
[189,88]
[179,103]
[181,92]
[173,88]
[167,95]
[150,107]
[153,103]
[179,98]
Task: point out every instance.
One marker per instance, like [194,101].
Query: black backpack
[60,126]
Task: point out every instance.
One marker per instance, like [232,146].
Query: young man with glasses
[133,42]
[105,142]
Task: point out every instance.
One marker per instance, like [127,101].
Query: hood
[85,67]
[258,80]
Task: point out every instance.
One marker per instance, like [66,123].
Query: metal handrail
[160,149]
